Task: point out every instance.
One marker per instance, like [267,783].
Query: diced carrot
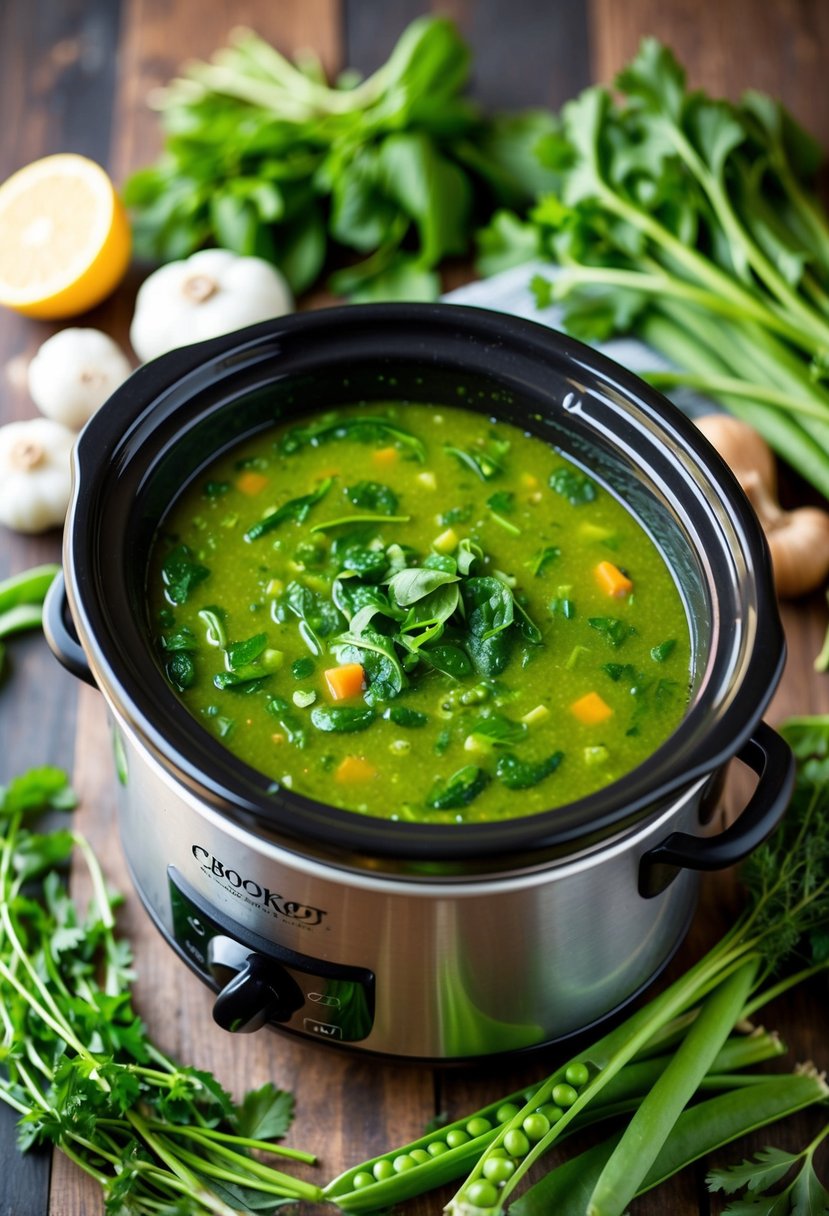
[611,580]
[353,769]
[345,681]
[385,455]
[591,709]
[251,483]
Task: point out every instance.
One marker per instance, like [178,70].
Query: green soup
[418,613]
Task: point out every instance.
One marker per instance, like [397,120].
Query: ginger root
[799,539]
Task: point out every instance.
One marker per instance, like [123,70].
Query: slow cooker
[411,940]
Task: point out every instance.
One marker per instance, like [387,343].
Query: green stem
[257,1176]
[730,386]
[209,1135]
[186,1176]
[58,1024]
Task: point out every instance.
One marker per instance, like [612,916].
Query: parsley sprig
[76,1061]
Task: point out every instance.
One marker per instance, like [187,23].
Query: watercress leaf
[180,573]
[296,509]
[459,790]
[373,496]
[264,1114]
[576,487]
[342,719]
[412,584]
[518,774]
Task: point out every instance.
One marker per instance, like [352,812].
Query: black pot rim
[123,430]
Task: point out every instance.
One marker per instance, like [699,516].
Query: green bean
[699,1130]
[27,587]
[659,1111]
[22,616]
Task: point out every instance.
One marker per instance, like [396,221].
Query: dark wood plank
[57,69]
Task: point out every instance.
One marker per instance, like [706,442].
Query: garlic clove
[73,374]
[35,474]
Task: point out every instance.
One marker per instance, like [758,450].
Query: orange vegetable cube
[353,769]
[611,580]
[387,455]
[591,709]
[345,681]
[251,483]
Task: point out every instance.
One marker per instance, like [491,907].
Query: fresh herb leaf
[459,790]
[302,668]
[241,654]
[545,558]
[265,1113]
[180,573]
[496,730]
[373,496]
[576,487]
[518,774]
[342,719]
[485,462]
[615,631]
[502,501]
[296,509]
[663,651]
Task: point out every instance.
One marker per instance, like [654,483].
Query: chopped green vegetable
[576,487]
[518,774]
[296,509]
[181,573]
[342,719]
[459,790]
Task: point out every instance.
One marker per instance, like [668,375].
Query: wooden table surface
[74,75]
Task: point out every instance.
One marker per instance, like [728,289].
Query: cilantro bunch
[76,1062]
[693,223]
[262,156]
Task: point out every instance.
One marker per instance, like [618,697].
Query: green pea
[437,1147]
[362,1179]
[516,1143]
[577,1074]
[382,1170]
[505,1112]
[536,1127]
[498,1151]
[419,1155]
[456,1137]
[498,1169]
[564,1095]
[551,1112]
[478,1125]
[481,1194]
[403,1162]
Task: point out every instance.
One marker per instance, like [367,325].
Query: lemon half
[64,237]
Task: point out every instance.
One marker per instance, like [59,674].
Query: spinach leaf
[489,656]
[182,639]
[563,606]
[289,721]
[485,462]
[412,584]
[318,617]
[615,631]
[386,678]
[425,619]
[373,496]
[544,559]
[401,715]
[368,563]
[468,553]
[576,487]
[447,658]
[241,654]
[440,561]
[180,670]
[502,501]
[663,651]
[496,730]
[362,430]
[489,606]
[518,774]
[459,790]
[455,515]
[296,509]
[180,573]
[341,719]
[302,668]
[243,679]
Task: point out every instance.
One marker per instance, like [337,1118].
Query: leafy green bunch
[76,1062]
[262,156]
[692,222]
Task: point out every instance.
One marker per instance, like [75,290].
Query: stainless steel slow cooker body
[439,942]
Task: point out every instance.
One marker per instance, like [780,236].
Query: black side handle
[59,629]
[770,757]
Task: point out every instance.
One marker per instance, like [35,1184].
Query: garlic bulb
[35,477]
[74,372]
[211,293]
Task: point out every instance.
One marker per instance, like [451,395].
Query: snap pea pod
[699,1130]
[22,616]
[388,1185]
[27,587]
